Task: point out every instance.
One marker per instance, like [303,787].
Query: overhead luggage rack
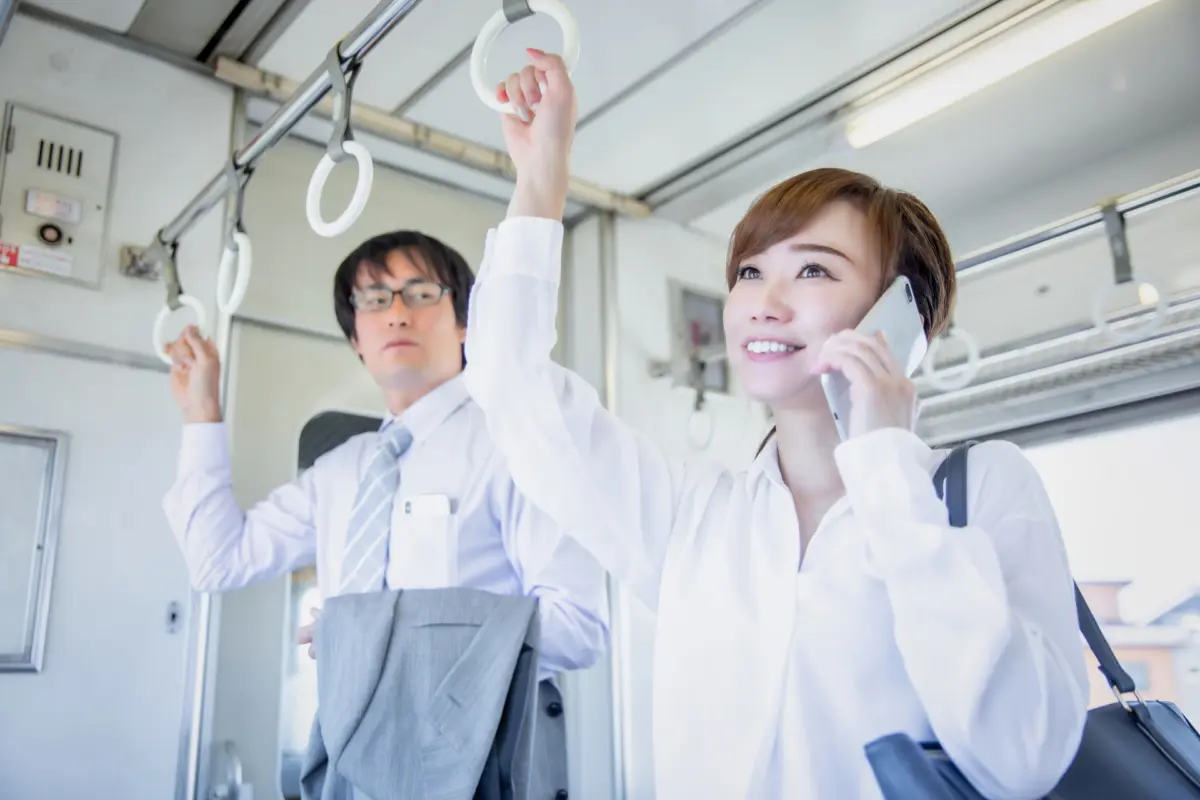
[1145,350]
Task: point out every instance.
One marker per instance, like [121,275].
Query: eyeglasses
[415,294]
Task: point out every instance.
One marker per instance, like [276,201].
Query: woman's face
[787,301]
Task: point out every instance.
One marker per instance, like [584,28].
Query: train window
[1129,510]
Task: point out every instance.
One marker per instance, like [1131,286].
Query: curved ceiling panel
[116,15]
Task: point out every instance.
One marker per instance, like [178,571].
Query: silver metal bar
[36,342]
[617,600]
[287,327]
[516,10]
[993,257]
[352,51]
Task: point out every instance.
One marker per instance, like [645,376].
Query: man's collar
[424,416]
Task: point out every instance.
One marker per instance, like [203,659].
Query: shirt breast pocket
[424,551]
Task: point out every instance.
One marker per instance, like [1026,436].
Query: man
[425,502]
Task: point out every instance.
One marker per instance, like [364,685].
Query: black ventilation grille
[59,158]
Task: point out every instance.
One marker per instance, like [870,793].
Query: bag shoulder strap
[950,480]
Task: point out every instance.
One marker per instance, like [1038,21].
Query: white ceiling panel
[1124,86]
[622,42]
[300,49]
[117,15]
[316,130]
[415,50]
[771,60]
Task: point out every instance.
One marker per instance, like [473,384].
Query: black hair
[443,264]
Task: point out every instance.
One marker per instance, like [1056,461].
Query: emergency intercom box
[55,182]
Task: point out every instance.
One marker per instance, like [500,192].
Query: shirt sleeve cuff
[530,246]
[889,482]
[205,447]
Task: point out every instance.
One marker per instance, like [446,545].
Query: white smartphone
[896,315]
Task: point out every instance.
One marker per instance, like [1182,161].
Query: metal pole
[991,258]
[351,51]
[618,602]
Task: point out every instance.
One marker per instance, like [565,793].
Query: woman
[819,599]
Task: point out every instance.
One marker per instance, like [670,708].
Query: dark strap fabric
[951,483]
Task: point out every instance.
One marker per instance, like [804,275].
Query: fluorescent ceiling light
[987,63]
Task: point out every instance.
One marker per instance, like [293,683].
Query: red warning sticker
[38,259]
[9,254]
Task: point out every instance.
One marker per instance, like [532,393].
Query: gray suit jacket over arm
[412,687]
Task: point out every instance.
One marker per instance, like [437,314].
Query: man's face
[410,339]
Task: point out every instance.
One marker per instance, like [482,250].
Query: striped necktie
[365,558]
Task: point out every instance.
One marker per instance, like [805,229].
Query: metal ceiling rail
[353,48]
[352,52]
[993,257]
[380,122]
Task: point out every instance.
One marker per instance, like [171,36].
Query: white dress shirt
[769,679]
[492,539]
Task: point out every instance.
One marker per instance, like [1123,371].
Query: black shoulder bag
[1132,749]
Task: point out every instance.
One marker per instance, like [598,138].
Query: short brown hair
[910,240]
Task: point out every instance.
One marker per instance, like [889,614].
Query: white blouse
[770,680]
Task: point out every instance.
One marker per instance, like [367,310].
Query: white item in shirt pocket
[424,554]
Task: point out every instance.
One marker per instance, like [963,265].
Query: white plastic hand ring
[1131,333]
[362,191]
[699,429]
[957,377]
[492,29]
[231,286]
[161,320]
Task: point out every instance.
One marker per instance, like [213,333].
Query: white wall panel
[105,714]
[173,136]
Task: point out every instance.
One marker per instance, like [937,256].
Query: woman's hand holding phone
[881,395]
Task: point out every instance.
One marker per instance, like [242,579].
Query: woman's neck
[806,440]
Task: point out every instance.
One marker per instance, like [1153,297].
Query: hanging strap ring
[233,275]
[341,147]
[176,299]
[511,12]
[956,377]
[235,260]
[1133,332]
[1118,248]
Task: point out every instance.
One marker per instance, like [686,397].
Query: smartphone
[896,315]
